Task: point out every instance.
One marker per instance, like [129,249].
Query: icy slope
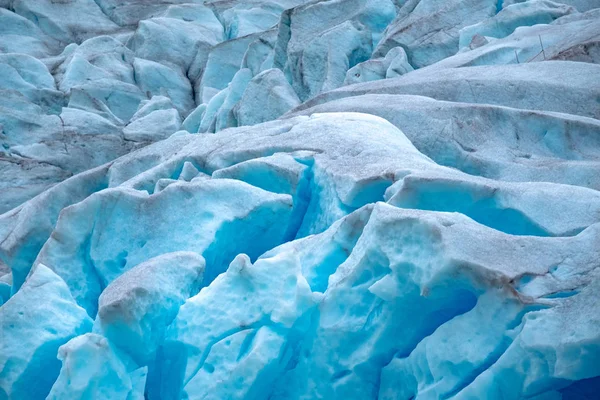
[84,101]
[286,199]
[334,315]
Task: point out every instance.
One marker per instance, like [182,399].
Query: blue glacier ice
[155,119]
[62,20]
[92,369]
[512,17]
[395,63]
[35,322]
[527,145]
[561,39]
[20,35]
[267,96]
[293,199]
[177,36]
[430,32]
[135,309]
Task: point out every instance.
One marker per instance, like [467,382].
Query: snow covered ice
[290,199]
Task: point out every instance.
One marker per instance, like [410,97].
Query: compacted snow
[289,199]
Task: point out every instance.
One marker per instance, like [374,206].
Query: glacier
[290,199]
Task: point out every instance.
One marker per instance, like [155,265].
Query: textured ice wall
[336,199]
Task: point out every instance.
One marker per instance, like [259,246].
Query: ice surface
[211,230]
[34,323]
[534,44]
[190,52]
[157,79]
[344,296]
[318,42]
[221,65]
[580,5]
[19,35]
[28,76]
[135,309]
[176,37]
[430,32]
[525,145]
[551,86]
[334,345]
[290,199]
[155,119]
[395,63]
[62,20]
[267,97]
[512,17]
[130,12]
[91,369]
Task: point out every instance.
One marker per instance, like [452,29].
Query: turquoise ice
[289,199]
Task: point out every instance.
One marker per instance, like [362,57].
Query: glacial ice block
[30,77]
[221,64]
[156,119]
[19,35]
[62,21]
[83,141]
[319,41]
[247,18]
[229,217]
[538,209]
[513,16]
[260,54]
[560,86]
[130,12]
[267,97]
[492,141]
[120,98]
[101,57]
[444,363]
[219,111]
[157,79]
[25,229]
[430,32]
[135,309]
[92,369]
[177,36]
[556,350]
[193,120]
[394,64]
[558,40]
[247,337]
[34,323]
[400,289]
